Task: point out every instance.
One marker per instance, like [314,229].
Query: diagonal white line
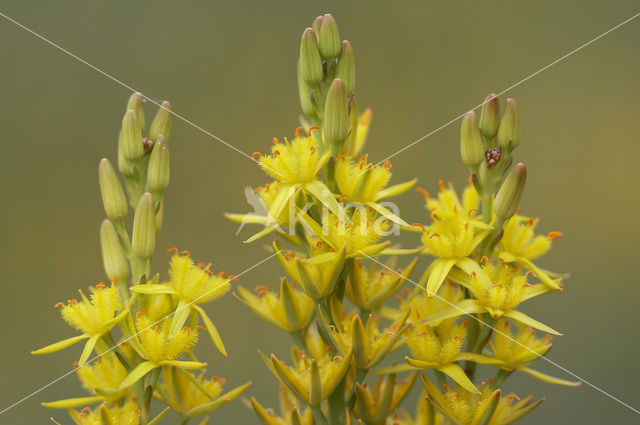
[147,98]
[132,336]
[505,335]
[544,68]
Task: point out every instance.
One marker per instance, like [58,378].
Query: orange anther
[420,226]
[72,301]
[137,411]
[60,304]
[399,297]
[470,179]
[387,164]
[86,409]
[200,327]
[513,396]
[187,253]
[471,211]
[290,256]
[434,234]
[518,210]
[313,150]
[297,132]
[253,155]
[257,189]
[186,329]
[337,358]
[233,277]
[432,214]
[441,184]
[173,249]
[101,285]
[222,274]
[200,265]
[311,129]
[472,275]
[457,338]
[484,259]
[553,235]
[276,152]
[319,244]
[275,140]
[530,222]
[319,175]
[209,272]
[222,381]
[530,272]
[75,364]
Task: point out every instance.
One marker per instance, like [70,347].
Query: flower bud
[346,68]
[310,62]
[508,197]
[158,170]
[114,260]
[161,123]
[135,103]
[131,137]
[490,116]
[113,197]
[471,147]
[509,131]
[143,240]
[329,37]
[304,92]
[336,116]
[316,24]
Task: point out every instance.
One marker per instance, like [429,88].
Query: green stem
[337,404]
[298,339]
[318,416]
[500,378]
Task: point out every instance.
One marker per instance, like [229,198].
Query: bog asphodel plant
[327,208]
[138,331]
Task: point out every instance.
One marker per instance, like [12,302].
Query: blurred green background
[230,68]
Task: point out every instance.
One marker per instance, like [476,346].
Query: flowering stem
[337,405]
[318,416]
[500,378]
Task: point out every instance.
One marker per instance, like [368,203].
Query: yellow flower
[368,289]
[190,284]
[437,347]
[368,344]
[514,351]
[375,404]
[295,162]
[194,396]
[291,312]
[93,316]
[291,410]
[421,306]
[448,205]
[154,343]
[365,184]
[519,244]
[127,414]
[453,236]
[484,407]
[311,380]
[497,289]
[107,373]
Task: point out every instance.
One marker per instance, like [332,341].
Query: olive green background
[230,68]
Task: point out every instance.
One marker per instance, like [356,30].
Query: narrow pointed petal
[152,289]
[528,321]
[439,274]
[88,348]
[456,373]
[211,329]
[209,407]
[460,308]
[138,373]
[73,402]
[386,213]
[180,316]
[324,195]
[395,190]
[548,378]
[60,345]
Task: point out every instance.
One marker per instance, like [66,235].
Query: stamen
[435,234]
[222,274]
[484,259]
[275,140]
[441,184]
[297,132]
[319,244]
[276,153]
[72,301]
[60,304]
[423,191]
[471,211]
[311,129]
[256,153]
[553,235]
[174,249]
[141,313]
[101,285]
[337,358]
[201,328]
[257,189]
[187,253]
[186,329]
[313,150]
[290,256]
[420,226]
[234,277]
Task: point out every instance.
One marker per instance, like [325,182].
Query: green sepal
[211,329]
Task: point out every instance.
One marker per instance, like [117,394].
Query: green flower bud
[143,240]
[346,67]
[304,91]
[310,62]
[158,169]
[509,131]
[471,147]
[161,123]
[329,37]
[113,198]
[131,137]
[114,260]
[490,116]
[135,103]
[508,197]
[316,24]
[336,115]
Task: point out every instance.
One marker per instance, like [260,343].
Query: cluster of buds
[339,311]
[140,328]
